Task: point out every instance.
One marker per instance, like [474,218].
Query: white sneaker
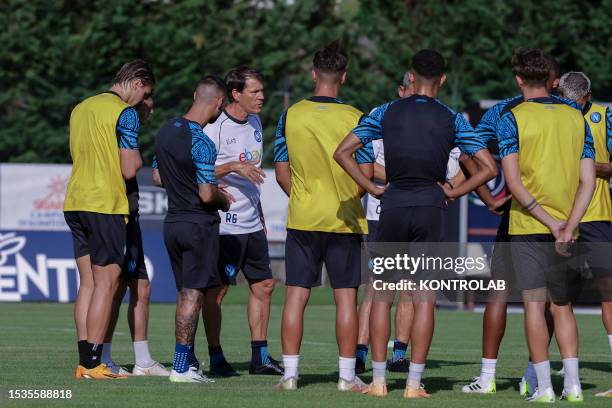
[574,394]
[189,376]
[546,396]
[156,370]
[526,389]
[561,372]
[196,369]
[604,394]
[356,385]
[117,369]
[479,387]
[289,384]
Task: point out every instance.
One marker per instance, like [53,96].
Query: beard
[213,119]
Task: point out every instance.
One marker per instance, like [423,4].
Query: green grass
[38,351]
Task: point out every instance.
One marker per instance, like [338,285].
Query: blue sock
[193,360]
[362,352]
[399,350]
[216,354]
[182,352]
[259,353]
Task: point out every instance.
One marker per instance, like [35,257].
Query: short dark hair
[531,65]
[136,69]
[210,86]
[574,85]
[213,81]
[555,67]
[331,58]
[429,64]
[237,77]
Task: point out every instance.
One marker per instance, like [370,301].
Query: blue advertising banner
[40,266]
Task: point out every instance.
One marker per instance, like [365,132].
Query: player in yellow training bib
[104,149]
[326,220]
[547,156]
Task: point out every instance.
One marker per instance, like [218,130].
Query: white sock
[610,341]
[291,364]
[570,377]
[379,372]
[142,355]
[487,372]
[347,368]
[106,354]
[415,372]
[543,373]
[530,375]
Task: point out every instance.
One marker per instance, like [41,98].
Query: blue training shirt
[419,132]
[185,157]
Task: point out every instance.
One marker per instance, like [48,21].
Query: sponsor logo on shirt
[595,117]
[258,136]
[255,155]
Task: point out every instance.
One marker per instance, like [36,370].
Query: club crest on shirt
[595,117]
[230,270]
[258,136]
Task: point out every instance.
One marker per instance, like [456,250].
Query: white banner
[32,199]
[32,196]
[274,203]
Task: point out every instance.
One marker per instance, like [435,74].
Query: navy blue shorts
[306,251]
[134,263]
[193,249]
[101,236]
[372,231]
[244,252]
[411,224]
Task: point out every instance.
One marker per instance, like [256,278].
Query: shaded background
[55,53]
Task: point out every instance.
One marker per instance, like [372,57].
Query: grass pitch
[38,351]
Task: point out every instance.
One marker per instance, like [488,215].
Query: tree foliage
[55,53]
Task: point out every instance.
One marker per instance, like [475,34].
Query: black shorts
[193,249]
[134,264]
[101,236]
[501,257]
[504,225]
[366,274]
[595,244]
[305,252]
[537,265]
[245,252]
[411,224]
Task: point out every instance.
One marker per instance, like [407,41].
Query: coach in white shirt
[238,138]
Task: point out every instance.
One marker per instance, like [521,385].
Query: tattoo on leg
[187,313]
